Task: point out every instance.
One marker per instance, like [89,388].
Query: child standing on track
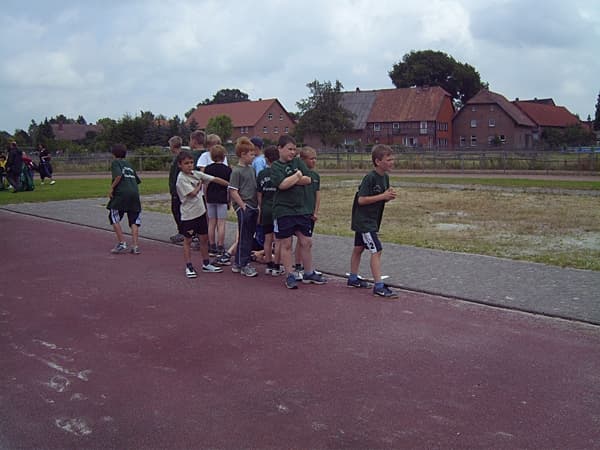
[291,214]
[193,212]
[124,198]
[313,200]
[217,200]
[266,192]
[367,212]
[242,190]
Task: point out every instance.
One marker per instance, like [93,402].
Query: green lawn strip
[76,188]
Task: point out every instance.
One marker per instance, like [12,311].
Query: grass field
[556,229]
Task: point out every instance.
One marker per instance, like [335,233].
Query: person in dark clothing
[14,166]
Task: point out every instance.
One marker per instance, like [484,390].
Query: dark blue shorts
[287,226]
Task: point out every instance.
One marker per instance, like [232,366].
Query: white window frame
[265,130]
[491,123]
[473,123]
[270,116]
[462,142]
[376,127]
[396,125]
[280,116]
[275,130]
[473,140]
[423,127]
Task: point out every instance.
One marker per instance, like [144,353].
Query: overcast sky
[111,58]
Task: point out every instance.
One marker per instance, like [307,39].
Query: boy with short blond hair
[367,211]
[242,190]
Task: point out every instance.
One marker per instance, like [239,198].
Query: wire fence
[425,161]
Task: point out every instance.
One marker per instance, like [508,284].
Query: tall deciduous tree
[434,68]
[221,126]
[227,96]
[321,114]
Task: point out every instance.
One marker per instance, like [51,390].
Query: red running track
[124,352]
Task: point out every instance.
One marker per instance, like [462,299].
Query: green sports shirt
[367,218]
[289,202]
[126,195]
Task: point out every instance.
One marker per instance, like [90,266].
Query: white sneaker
[210,268]
[52,182]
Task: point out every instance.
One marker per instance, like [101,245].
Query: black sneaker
[384,292]
[357,283]
[212,250]
[190,272]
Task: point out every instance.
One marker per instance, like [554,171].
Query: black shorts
[267,229]
[369,240]
[134,217]
[198,225]
[285,227]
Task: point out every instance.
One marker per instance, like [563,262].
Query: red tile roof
[73,131]
[487,97]
[407,104]
[546,115]
[242,114]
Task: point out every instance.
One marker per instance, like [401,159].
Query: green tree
[220,125]
[597,115]
[80,120]
[322,115]
[434,68]
[227,96]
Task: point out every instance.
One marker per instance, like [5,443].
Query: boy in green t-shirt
[266,192]
[367,212]
[291,215]
[124,198]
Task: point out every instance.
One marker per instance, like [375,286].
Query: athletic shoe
[358,283]
[121,247]
[176,238]
[290,282]
[220,249]
[212,250]
[52,182]
[235,268]
[278,270]
[384,292]
[314,278]
[248,271]
[223,260]
[42,183]
[298,272]
[190,272]
[211,268]
[135,250]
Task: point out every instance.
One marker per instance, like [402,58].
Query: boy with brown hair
[242,189]
[367,212]
[193,212]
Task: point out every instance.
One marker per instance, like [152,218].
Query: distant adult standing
[197,144]
[205,158]
[14,166]
[175,143]
[45,166]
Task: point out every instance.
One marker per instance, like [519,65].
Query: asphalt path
[122,351]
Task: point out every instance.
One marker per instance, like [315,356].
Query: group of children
[277,192]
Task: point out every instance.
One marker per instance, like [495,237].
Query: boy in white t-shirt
[193,212]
